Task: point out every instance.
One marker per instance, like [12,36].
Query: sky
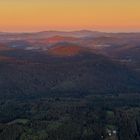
[39,15]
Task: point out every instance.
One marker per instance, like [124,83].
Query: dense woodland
[109,117]
[37,106]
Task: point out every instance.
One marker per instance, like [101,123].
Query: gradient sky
[37,15]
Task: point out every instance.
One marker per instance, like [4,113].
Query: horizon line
[80,30]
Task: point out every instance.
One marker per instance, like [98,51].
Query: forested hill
[36,74]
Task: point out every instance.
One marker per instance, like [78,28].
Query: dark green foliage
[88,118]
[128,124]
[11,132]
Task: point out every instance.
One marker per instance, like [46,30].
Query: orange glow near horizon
[37,15]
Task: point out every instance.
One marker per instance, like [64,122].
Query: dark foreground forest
[109,117]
